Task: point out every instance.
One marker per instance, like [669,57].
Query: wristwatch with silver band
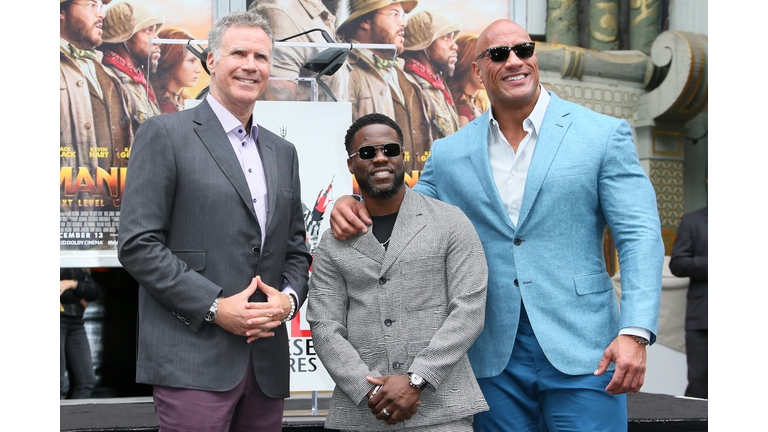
[211,316]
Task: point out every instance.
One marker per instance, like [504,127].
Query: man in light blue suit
[540,178]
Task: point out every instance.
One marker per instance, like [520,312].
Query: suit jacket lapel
[481,163]
[407,225]
[553,129]
[367,245]
[214,138]
[267,153]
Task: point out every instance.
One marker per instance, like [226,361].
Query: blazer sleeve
[467,279]
[628,203]
[145,216]
[684,262]
[327,317]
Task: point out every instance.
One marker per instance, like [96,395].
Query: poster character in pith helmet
[430,58]
[128,27]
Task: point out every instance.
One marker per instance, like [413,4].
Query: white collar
[537,115]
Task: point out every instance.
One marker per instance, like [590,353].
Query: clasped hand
[396,398]
[253,320]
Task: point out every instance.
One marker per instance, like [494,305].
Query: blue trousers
[531,395]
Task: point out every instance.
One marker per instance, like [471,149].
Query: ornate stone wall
[667,179]
[606,99]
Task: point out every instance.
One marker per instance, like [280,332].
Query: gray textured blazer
[188,234]
[417,307]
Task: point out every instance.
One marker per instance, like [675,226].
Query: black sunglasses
[501,54]
[368,152]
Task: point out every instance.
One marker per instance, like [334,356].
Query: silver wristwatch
[211,316]
[415,380]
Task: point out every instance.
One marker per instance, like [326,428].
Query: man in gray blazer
[393,311]
[212,221]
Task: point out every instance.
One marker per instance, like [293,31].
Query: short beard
[446,68]
[142,63]
[383,194]
[85,38]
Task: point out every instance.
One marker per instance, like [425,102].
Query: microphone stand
[326,62]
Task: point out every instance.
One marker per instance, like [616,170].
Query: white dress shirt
[510,169]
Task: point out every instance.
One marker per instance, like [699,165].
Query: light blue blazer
[584,173]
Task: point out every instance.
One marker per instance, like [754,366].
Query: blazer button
[516,284]
[396,365]
[382,281]
[518,242]
[387,322]
[255,250]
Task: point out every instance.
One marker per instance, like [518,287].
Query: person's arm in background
[684,262]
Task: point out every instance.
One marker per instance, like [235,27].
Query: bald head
[510,84]
[495,30]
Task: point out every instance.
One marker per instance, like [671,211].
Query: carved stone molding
[682,95]
[624,67]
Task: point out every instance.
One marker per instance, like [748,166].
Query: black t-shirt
[382,227]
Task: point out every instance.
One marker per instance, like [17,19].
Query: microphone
[326,62]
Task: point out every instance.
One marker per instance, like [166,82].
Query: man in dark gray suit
[211,222]
[690,259]
[393,311]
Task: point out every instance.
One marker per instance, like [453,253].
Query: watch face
[416,380]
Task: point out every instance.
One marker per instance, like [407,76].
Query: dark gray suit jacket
[689,259]
[188,234]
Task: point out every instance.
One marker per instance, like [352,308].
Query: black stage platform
[647,412]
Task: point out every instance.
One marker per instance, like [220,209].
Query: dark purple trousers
[242,409]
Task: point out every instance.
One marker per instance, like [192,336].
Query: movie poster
[108,75]
[111,83]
